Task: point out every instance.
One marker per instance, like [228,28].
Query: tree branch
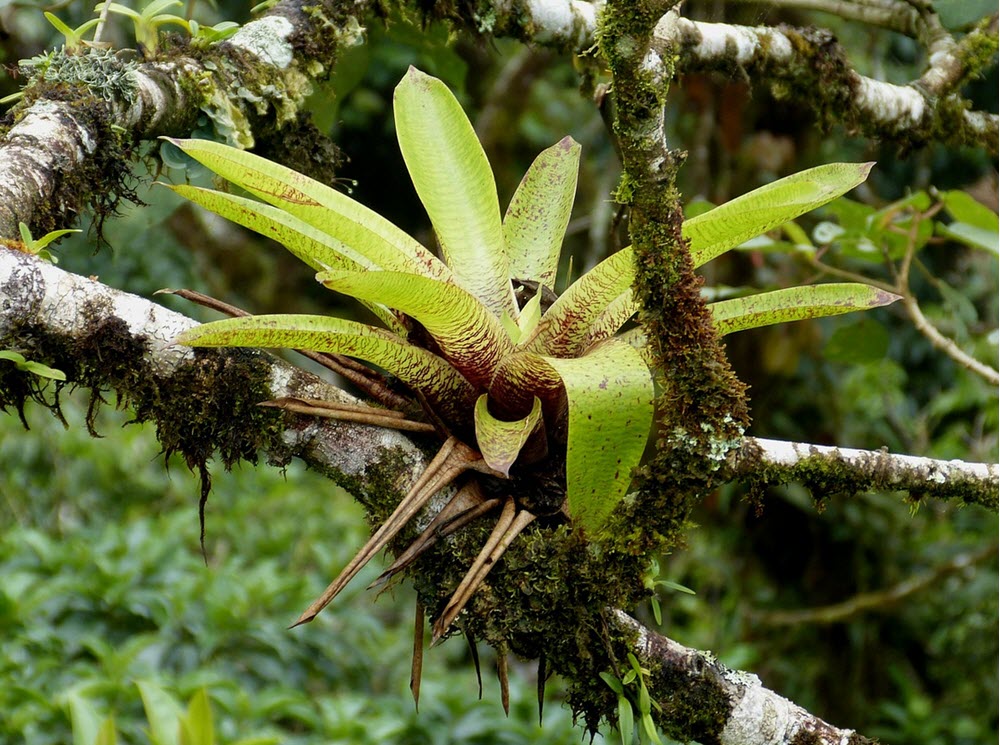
[805,60]
[744,711]
[60,153]
[878,600]
[831,470]
[88,329]
[812,63]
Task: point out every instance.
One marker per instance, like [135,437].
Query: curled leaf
[501,441]
[610,395]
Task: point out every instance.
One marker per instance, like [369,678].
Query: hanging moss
[206,407]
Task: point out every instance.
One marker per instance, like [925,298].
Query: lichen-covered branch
[70,142]
[806,66]
[740,710]
[809,66]
[829,471]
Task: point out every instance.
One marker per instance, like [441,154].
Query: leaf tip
[883,297]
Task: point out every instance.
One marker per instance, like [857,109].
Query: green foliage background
[101,579]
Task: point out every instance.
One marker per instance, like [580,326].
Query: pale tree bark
[53,159]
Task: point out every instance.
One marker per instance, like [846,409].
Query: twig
[874,601]
[946,345]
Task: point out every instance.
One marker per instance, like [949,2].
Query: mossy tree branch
[203,403]
[722,705]
[807,67]
[70,142]
[831,471]
[703,408]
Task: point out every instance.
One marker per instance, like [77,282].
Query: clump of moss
[88,83]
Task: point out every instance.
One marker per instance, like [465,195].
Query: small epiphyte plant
[633,695]
[147,22]
[540,397]
[39,246]
[35,368]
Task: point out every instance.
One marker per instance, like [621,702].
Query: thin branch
[832,470]
[942,343]
[880,599]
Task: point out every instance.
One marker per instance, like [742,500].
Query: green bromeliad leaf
[309,244]
[501,441]
[728,225]
[796,304]
[326,209]
[710,234]
[539,211]
[610,395]
[455,183]
[469,336]
[425,372]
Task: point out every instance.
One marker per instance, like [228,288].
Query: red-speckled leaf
[469,336]
[610,395]
[714,232]
[455,184]
[450,393]
[539,212]
[796,304]
[564,329]
[501,441]
[326,209]
[609,323]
